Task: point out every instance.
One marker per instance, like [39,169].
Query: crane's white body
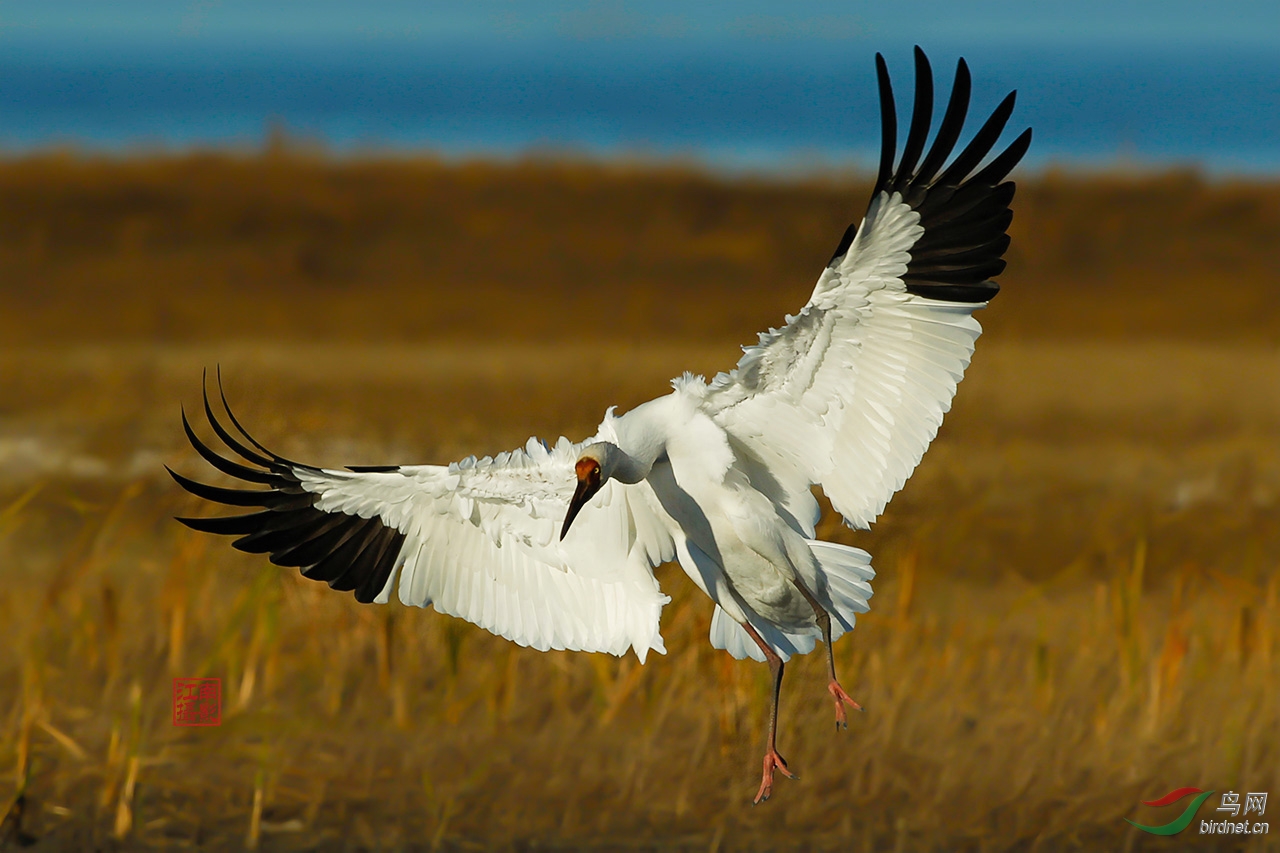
[740,547]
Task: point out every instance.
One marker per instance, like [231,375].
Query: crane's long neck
[641,442]
[631,468]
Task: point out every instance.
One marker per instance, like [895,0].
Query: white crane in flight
[554,547]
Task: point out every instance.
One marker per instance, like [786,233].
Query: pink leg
[837,693]
[833,687]
[772,760]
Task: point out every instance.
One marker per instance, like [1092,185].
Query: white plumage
[481,544]
[554,547]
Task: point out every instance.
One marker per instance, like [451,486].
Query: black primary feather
[349,552]
[964,214]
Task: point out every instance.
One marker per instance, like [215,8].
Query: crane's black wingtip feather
[349,552]
[227,438]
[967,293]
[845,242]
[922,62]
[226,525]
[999,168]
[235,422]
[888,126]
[921,117]
[962,210]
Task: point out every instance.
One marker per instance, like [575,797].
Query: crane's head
[590,471]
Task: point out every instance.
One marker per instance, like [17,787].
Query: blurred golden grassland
[282,246]
[1077,601]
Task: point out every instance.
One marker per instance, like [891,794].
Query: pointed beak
[587,488]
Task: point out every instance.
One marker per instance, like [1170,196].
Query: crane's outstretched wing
[477,539]
[851,391]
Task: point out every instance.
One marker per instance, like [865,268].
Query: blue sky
[1229,22]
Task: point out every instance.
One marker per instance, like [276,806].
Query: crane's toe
[772,761]
[837,693]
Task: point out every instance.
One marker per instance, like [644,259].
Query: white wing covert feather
[851,391]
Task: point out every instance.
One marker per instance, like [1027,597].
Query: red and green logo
[1183,820]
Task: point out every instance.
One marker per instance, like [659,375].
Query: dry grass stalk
[255,816]
[124,805]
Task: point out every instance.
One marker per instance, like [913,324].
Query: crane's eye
[588,469]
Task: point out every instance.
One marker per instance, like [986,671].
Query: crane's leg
[772,761]
[833,687]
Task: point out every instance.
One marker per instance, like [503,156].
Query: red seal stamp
[197,701]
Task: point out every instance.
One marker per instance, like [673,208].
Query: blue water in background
[775,108]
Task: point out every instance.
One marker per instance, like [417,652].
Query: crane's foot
[772,761]
[837,693]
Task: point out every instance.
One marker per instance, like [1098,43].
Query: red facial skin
[588,471]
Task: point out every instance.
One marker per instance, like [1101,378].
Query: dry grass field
[1078,604]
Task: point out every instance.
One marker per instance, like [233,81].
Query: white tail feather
[847,574]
